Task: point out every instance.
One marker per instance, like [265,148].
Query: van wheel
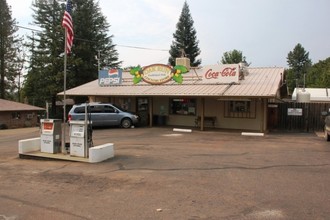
[326,135]
[126,123]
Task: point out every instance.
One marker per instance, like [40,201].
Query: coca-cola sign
[221,73]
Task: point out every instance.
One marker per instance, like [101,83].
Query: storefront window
[183,106]
[239,106]
[240,109]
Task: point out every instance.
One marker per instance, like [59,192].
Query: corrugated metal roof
[6,105]
[260,82]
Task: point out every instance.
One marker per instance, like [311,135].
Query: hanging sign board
[220,73]
[110,77]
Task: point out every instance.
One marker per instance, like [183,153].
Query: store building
[215,96]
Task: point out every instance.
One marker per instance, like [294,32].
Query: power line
[142,48]
[80,39]
[31,29]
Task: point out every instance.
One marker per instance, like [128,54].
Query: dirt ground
[160,174]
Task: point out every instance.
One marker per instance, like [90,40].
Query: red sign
[224,73]
[48,126]
[221,73]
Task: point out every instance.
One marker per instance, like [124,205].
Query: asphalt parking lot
[161,174]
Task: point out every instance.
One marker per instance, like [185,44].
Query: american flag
[68,25]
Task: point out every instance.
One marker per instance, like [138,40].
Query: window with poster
[183,106]
[240,109]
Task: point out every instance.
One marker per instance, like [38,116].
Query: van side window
[109,109]
[97,109]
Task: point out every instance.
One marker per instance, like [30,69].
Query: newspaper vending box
[50,138]
[80,138]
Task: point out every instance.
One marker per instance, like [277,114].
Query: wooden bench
[209,119]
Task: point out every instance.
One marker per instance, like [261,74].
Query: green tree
[185,41]
[299,63]
[10,62]
[46,72]
[318,75]
[91,30]
[232,57]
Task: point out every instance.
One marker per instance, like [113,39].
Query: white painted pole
[64,95]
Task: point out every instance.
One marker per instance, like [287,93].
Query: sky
[264,30]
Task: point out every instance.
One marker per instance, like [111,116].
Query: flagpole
[64,94]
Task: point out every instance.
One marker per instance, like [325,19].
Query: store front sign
[110,77]
[221,73]
[157,74]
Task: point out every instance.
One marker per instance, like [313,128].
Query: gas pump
[50,137]
[81,136]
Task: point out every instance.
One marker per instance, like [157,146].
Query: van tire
[126,123]
[326,135]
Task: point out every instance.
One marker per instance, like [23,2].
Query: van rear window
[79,110]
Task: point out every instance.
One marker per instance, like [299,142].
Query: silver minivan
[103,114]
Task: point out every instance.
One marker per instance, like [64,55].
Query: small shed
[18,115]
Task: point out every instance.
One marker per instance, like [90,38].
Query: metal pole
[64,95]
[98,60]
[47,110]
[85,133]
[202,114]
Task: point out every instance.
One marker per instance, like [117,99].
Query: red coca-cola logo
[228,71]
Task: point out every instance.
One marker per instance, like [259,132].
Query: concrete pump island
[50,143]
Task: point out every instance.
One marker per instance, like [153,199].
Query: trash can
[161,120]
[155,120]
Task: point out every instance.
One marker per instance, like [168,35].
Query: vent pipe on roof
[243,71]
[184,61]
[326,91]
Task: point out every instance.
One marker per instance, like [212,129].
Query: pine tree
[10,62]
[185,40]
[299,63]
[91,30]
[46,72]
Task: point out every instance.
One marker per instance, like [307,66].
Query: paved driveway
[161,174]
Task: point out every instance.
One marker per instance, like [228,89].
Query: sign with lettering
[295,111]
[220,73]
[157,74]
[110,77]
